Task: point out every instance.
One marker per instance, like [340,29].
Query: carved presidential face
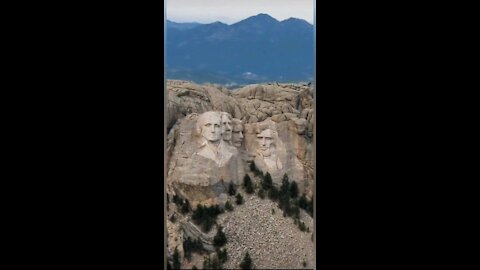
[237,134]
[226,127]
[210,125]
[265,141]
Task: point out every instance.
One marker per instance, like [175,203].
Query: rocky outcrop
[192,231]
[213,135]
[282,102]
[185,98]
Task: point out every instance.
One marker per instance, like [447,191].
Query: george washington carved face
[209,126]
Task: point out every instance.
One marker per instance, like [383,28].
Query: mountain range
[256,49]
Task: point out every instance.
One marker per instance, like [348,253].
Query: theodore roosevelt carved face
[237,132]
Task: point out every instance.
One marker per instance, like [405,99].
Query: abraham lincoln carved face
[265,142]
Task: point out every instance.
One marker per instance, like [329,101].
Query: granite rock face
[213,135]
[197,169]
[283,112]
[184,98]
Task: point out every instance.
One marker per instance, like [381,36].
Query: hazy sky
[232,11]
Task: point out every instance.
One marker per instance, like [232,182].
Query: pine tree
[247,262]
[253,167]
[186,207]
[228,206]
[267,182]
[187,248]
[216,210]
[220,238]
[255,170]
[273,193]
[175,198]
[296,211]
[293,189]
[284,203]
[247,183]
[222,255]
[197,244]
[206,216]
[215,263]
[239,199]
[284,189]
[249,189]
[176,259]
[208,224]
[198,214]
[302,202]
[231,189]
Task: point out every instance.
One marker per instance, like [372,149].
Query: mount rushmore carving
[216,134]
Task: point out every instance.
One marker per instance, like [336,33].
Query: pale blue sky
[232,11]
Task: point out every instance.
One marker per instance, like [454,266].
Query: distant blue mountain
[257,49]
[181,26]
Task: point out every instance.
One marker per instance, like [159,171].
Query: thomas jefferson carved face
[237,133]
[209,124]
[226,127]
[265,141]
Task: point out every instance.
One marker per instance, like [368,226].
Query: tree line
[221,255]
[183,204]
[190,246]
[205,216]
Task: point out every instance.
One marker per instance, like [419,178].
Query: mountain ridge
[256,49]
[260,15]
